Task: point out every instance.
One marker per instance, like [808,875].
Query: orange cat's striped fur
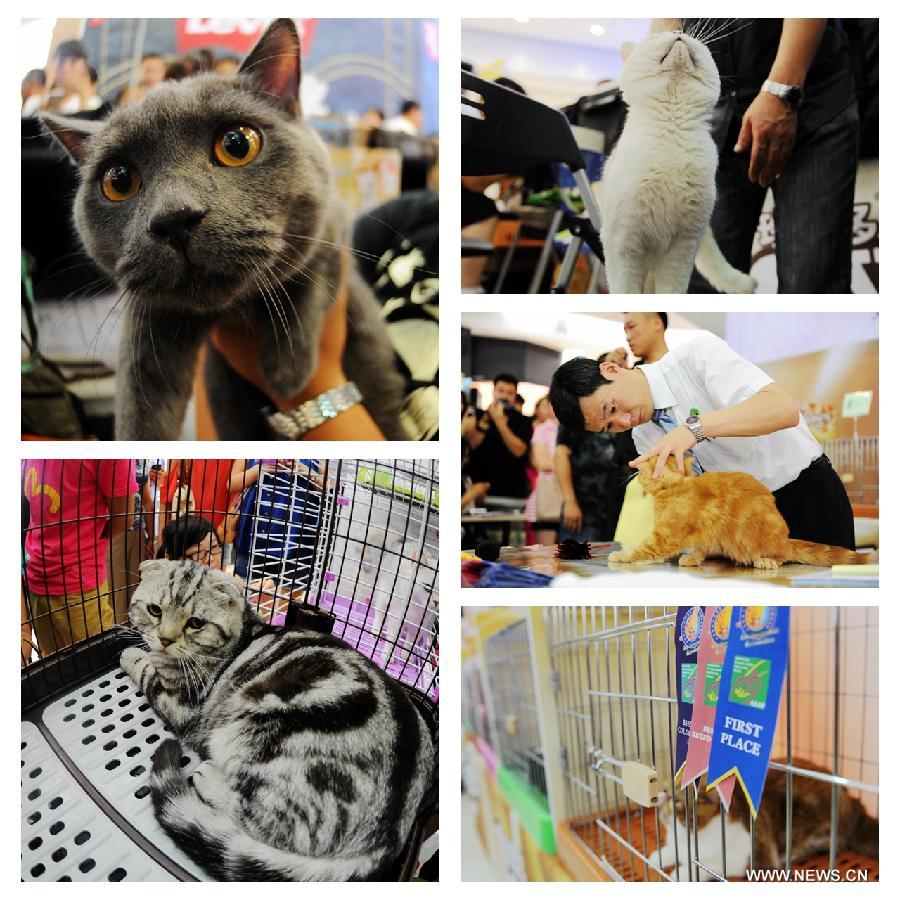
[726,514]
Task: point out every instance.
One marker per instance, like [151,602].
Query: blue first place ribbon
[749,698]
[688,629]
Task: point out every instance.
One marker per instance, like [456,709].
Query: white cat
[658,188]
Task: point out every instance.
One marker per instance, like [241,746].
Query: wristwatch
[790,94]
[693,422]
[311,414]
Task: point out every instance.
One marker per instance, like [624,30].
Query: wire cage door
[293,512]
[514,704]
[381,566]
[614,670]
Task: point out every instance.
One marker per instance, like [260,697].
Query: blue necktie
[666,421]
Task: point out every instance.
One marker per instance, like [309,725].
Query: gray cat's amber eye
[237,145]
[120,181]
[154,610]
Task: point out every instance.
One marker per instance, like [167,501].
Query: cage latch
[639,782]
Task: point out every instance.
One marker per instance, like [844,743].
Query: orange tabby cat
[726,514]
[810,826]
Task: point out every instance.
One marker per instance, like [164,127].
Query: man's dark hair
[182,534]
[408,106]
[94,74]
[71,50]
[38,75]
[503,81]
[505,376]
[664,318]
[577,378]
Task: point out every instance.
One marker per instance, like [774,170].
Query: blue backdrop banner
[749,698]
[688,629]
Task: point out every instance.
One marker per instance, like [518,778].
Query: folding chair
[505,132]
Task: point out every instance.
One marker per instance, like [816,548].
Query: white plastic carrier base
[86,809]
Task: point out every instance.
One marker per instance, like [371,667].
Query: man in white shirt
[704,398]
[409,121]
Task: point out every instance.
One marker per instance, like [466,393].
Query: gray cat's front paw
[132,661]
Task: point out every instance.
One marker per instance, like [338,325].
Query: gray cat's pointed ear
[72,134]
[274,66]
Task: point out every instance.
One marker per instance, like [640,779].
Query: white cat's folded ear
[274,66]
[71,133]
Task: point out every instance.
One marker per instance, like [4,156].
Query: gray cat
[211,200]
[315,761]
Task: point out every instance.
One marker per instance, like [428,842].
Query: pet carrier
[616,699]
[344,546]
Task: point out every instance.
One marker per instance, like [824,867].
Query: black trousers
[816,507]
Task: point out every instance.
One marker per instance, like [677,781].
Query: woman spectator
[545,501]
[195,538]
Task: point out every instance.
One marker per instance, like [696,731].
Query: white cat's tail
[221,847]
[713,266]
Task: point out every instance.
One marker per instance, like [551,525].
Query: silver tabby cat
[210,201]
[315,762]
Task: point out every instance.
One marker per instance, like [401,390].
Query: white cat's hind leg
[624,274]
[673,271]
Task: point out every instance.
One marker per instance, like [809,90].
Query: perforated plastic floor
[107,733]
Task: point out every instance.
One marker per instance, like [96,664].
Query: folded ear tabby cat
[208,201]
[315,762]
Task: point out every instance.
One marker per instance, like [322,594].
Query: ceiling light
[597,30]
[522,21]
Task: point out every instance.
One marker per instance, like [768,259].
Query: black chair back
[505,132]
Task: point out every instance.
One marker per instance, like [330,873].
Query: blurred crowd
[88,524]
[571,486]
[71,84]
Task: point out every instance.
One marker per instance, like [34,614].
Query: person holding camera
[499,438]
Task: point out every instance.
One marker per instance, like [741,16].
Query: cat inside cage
[242,656]
[570,766]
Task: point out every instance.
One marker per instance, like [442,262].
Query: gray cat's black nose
[176,226]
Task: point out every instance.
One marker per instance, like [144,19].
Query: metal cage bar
[296,532]
[616,701]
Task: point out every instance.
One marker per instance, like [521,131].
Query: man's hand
[572,517]
[497,412]
[676,443]
[769,129]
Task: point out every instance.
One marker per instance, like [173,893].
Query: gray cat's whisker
[373,257]
[274,284]
[265,294]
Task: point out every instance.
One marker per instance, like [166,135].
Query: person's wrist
[324,379]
